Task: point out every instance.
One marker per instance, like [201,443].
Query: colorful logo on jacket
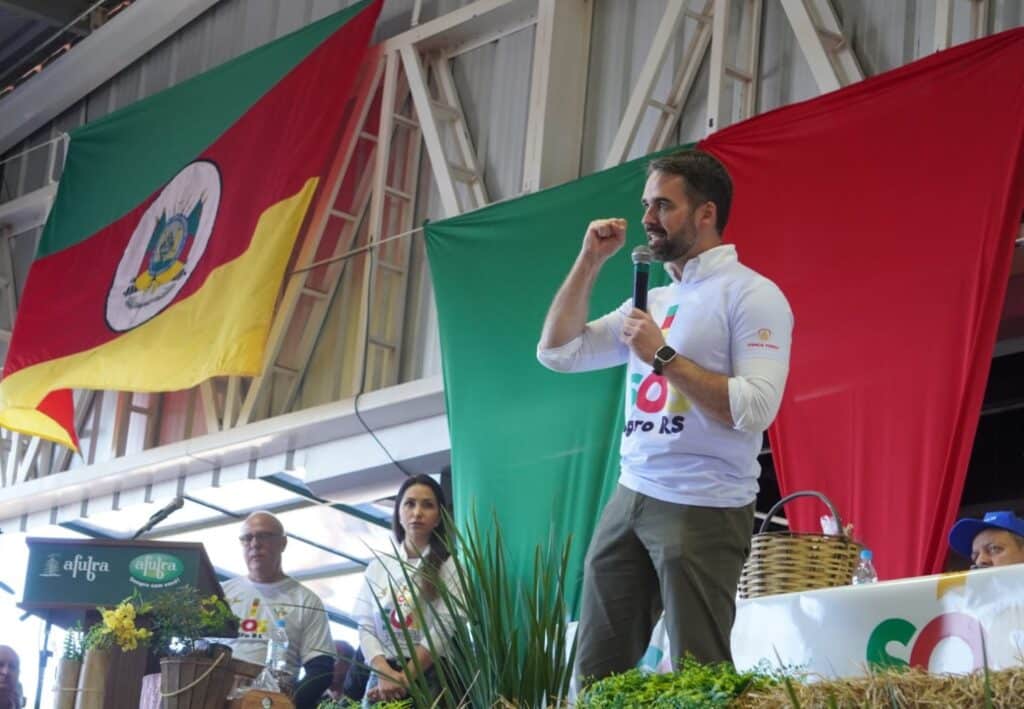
[167,244]
[253,625]
[403,615]
[652,394]
[764,337]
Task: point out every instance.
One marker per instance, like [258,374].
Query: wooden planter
[92,680]
[195,682]
[110,678]
[66,687]
[260,699]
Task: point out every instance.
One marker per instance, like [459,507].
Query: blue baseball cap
[962,535]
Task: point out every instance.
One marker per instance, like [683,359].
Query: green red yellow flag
[173,224]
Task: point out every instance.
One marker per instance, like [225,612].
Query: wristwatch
[663,356]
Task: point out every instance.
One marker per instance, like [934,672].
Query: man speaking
[707,363]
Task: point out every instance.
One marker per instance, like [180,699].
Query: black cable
[362,379]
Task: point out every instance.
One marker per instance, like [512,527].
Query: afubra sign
[80,565]
[103,572]
[155,570]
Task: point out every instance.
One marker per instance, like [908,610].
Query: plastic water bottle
[865,571]
[277,648]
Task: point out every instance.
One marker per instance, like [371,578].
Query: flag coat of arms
[175,218]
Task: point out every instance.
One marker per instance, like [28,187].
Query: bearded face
[669,219]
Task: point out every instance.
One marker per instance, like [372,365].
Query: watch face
[665,353]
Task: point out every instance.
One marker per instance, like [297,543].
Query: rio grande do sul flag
[173,224]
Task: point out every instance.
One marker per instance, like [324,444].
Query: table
[942,623]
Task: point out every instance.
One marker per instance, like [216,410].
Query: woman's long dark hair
[439,545]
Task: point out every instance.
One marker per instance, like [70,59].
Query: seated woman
[422,545]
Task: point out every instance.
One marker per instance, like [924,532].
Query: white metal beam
[839,47]
[943,24]
[102,55]
[741,72]
[327,442]
[813,21]
[378,197]
[295,285]
[449,32]
[466,168]
[748,57]
[13,458]
[383,152]
[682,84]
[28,458]
[979,18]
[716,69]
[28,211]
[558,93]
[209,401]
[814,51]
[644,84]
[431,129]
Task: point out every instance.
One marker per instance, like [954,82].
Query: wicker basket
[784,562]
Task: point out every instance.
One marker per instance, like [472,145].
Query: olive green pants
[647,556]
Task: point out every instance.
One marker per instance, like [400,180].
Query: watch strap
[663,356]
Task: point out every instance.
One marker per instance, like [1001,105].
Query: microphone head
[642,254]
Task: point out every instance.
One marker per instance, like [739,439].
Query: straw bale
[904,688]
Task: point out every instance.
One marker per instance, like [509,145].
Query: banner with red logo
[953,623]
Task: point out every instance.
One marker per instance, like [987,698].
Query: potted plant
[69,668]
[114,647]
[510,644]
[193,672]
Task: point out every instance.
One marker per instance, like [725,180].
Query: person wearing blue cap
[995,540]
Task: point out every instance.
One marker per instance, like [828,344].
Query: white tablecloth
[934,622]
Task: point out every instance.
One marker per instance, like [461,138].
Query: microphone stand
[159,516]
[44,656]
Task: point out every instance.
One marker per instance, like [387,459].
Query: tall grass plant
[505,637]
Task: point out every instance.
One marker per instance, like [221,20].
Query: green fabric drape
[538,448]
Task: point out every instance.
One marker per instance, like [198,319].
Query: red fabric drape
[887,212]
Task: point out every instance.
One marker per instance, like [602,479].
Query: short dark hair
[705,179]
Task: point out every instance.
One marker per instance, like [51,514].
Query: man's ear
[707,215]
[284,542]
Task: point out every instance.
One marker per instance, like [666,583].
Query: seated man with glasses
[266,596]
[995,540]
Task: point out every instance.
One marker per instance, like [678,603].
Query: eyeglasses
[261,537]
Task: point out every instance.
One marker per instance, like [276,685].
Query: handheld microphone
[160,515]
[642,257]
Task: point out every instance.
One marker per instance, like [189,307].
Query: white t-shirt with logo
[728,319]
[387,580]
[259,605]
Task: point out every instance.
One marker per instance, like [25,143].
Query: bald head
[267,520]
[263,542]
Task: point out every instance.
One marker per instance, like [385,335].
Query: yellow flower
[119,624]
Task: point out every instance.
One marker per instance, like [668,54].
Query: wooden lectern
[67,579]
